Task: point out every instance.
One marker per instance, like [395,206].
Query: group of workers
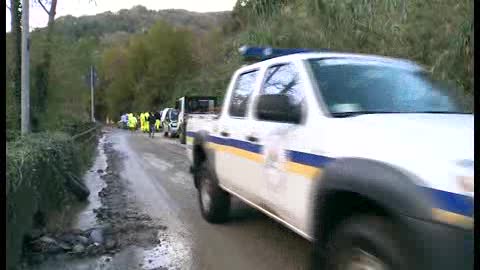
[148,122]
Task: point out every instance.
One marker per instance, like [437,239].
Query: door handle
[252,139]
[225,134]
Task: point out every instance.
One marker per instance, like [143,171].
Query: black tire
[77,188]
[218,210]
[371,240]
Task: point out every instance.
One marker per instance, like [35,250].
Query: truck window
[241,93]
[174,115]
[200,105]
[283,79]
[359,86]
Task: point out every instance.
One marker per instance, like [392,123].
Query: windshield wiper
[350,114]
[441,112]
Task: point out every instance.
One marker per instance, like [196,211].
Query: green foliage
[142,74]
[68,94]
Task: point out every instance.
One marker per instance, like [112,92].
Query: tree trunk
[51,15]
[15,74]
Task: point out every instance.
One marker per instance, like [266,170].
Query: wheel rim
[205,196]
[359,259]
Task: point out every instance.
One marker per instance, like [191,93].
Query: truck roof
[407,64]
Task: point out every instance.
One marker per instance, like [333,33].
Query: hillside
[137,20]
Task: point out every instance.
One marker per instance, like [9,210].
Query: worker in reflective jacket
[145,120]
[142,122]
[132,122]
[157,124]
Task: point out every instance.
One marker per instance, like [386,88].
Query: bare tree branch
[52,13]
[43,6]
[8,6]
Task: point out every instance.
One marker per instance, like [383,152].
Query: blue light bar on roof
[263,53]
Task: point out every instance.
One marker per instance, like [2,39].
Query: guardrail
[88,131]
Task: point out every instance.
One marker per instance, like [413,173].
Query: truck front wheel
[366,242]
[214,202]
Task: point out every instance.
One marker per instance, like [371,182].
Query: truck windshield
[201,105]
[353,87]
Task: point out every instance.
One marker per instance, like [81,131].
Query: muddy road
[151,191]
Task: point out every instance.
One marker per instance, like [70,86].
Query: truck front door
[285,189]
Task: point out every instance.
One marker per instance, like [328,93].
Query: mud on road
[124,222]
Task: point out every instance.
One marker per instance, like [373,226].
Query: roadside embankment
[43,172]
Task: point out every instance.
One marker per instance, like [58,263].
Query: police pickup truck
[366,156]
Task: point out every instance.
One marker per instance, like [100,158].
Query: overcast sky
[38,17]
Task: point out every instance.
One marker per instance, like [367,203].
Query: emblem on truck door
[275,159]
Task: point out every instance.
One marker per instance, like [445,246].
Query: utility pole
[92,77]
[25,102]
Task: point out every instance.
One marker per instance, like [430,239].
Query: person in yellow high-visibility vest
[135,123]
[144,125]
[147,126]
[142,121]
[157,124]
[132,122]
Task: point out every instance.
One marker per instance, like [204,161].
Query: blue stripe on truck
[452,202]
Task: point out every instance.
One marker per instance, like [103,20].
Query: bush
[35,177]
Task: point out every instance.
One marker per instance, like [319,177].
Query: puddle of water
[86,218]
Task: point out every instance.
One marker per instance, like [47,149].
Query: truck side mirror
[278,108]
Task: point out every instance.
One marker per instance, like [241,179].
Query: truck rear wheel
[214,202]
[365,242]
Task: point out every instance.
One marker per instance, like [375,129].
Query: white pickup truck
[366,156]
[202,108]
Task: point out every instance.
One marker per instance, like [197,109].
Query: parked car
[169,122]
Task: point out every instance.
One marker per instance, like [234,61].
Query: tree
[143,74]
[50,11]
[42,70]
